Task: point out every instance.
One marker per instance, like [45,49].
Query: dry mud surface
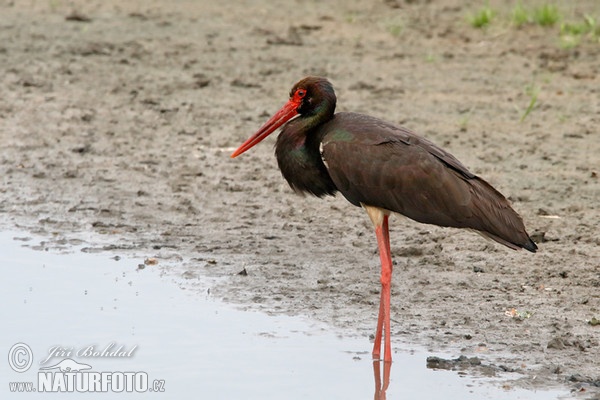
[117,121]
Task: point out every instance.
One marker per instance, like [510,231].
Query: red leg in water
[380,221]
[381,386]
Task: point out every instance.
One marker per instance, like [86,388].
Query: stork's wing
[378,164]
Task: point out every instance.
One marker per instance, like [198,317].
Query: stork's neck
[298,154]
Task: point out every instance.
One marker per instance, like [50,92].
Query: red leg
[383,241]
[379,218]
[379,331]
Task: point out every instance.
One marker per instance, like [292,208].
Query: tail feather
[496,218]
[530,245]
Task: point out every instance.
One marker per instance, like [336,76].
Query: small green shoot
[430,58]
[520,16]
[578,28]
[395,25]
[571,33]
[463,123]
[351,17]
[395,30]
[482,18]
[563,118]
[587,26]
[546,15]
[54,5]
[532,91]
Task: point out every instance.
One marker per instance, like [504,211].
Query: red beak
[287,112]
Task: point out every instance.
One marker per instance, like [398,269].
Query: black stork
[385,169]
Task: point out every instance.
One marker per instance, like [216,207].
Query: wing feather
[378,164]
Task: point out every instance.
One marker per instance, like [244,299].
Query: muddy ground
[117,121]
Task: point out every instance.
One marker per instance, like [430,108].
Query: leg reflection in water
[381,382]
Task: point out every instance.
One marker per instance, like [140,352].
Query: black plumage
[385,169]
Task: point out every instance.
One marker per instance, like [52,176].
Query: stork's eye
[300,93]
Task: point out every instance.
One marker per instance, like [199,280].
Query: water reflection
[81,299]
[381,381]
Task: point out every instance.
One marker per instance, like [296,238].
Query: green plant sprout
[520,16]
[532,91]
[571,33]
[482,18]
[546,15]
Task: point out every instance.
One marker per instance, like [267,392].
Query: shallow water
[186,343]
